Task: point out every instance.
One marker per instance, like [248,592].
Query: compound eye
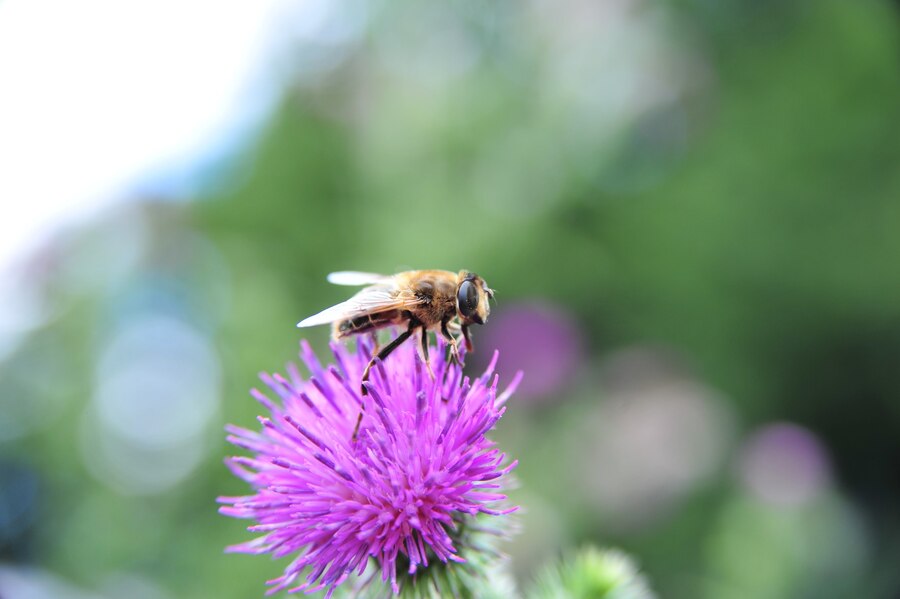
[467,299]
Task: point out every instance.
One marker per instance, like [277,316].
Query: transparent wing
[353,278]
[368,301]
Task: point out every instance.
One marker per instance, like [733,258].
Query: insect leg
[451,340]
[469,346]
[384,353]
[425,355]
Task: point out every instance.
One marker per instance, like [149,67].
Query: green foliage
[592,573]
[483,573]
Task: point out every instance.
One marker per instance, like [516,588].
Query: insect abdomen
[364,323]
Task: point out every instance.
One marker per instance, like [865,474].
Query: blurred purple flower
[784,464]
[420,470]
[539,339]
[652,435]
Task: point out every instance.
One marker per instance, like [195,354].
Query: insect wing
[368,301]
[353,278]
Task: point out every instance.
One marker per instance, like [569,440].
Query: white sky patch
[97,96]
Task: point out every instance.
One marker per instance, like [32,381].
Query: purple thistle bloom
[419,471]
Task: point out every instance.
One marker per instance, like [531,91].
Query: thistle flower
[405,492]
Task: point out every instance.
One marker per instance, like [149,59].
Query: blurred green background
[691,213]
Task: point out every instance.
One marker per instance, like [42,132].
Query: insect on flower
[422,300]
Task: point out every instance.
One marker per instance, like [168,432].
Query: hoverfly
[420,300]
